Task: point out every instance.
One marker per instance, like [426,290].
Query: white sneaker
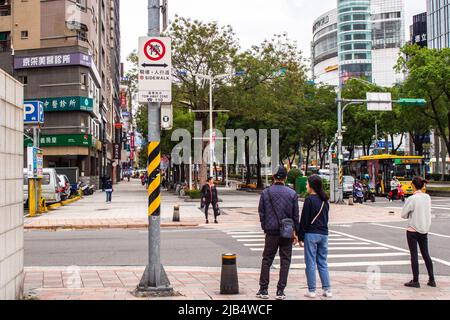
[327,294]
[310,294]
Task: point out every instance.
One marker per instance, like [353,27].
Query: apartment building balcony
[5,46]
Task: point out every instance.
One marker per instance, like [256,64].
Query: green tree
[428,73]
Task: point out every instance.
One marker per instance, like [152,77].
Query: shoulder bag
[317,216]
[286,225]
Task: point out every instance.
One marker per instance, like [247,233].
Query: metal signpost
[155,87]
[34,116]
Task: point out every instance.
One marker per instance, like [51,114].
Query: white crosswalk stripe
[344,251]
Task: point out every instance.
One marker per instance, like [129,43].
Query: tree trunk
[247,162]
[259,182]
[308,152]
[364,149]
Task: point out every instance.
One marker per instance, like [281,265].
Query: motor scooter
[358,193]
[399,196]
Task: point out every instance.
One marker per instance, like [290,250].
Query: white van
[50,186]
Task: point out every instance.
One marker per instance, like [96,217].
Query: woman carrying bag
[210,196]
[313,235]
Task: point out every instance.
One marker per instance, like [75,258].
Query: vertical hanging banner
[155,70]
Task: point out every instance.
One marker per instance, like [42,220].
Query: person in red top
[209,196]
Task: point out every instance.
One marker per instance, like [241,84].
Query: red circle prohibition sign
[150,47]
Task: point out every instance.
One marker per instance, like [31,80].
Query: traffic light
[412,102]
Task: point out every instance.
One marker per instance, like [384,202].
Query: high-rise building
[67,54]
[419,30]
[438,12]
[362,39]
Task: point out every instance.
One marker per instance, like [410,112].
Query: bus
[379,170]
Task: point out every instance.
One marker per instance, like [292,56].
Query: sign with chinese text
[35,163]
[68,104]
[53,60]
[117,150]
[67,140]
[155,69]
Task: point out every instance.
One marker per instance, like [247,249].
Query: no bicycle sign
[155,69]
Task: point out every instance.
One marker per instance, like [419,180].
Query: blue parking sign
[33,112]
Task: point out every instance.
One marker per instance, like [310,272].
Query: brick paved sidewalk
[127,210]
[117,283]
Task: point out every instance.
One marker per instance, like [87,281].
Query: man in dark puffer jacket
[285,203]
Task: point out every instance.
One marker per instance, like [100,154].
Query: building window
[23,80]
[84,81]
[5,41]
[24,34]
[5,8]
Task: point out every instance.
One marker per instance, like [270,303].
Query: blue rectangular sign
[33,112]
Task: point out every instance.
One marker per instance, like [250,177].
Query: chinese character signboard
[33,112]
[68,104]
[35,163]
[155,70]
[54,60]
[67,140]
[117,150]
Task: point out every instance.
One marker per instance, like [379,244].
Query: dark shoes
[207,222]
[412,284]
[432,284]
[263,294]
[216,222]
[280,295]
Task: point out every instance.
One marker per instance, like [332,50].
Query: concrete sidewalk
[117,283]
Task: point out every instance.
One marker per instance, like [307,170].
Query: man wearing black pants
[277,202]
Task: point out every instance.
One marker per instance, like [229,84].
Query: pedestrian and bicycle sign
[155,70]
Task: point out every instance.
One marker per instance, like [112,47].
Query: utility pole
[340,196]
[155,280]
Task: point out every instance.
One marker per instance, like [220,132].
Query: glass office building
[354,39]
[362,38]
[438,23]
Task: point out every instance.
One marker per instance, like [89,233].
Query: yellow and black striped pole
[154,187]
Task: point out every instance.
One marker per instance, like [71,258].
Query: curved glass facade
[354,39]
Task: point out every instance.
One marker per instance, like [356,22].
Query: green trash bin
[300,185]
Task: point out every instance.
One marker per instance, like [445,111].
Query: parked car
[65,186]
[348,186]
[50,186]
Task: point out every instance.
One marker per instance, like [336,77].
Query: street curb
[63,203]
[106,226]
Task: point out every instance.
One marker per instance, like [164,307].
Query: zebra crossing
[344,251]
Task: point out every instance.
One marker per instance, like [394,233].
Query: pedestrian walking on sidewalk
[313,236]
[418,212]
[210,197]
[279,217]
[108,189]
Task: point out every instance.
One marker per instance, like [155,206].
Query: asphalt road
[353,247]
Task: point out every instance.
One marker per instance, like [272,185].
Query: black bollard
[229,282]
[176,213]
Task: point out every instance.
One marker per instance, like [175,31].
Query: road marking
[243,232]
[330,245]
[334,249]
[440,208]
[249,236]
[355,264]
[388,246]
[401,228]
[363,255]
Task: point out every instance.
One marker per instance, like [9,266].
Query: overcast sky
[252,20]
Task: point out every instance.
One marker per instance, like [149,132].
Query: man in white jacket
[418,212]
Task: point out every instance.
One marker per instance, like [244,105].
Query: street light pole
[340,197]
[211,125]
[155,280]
